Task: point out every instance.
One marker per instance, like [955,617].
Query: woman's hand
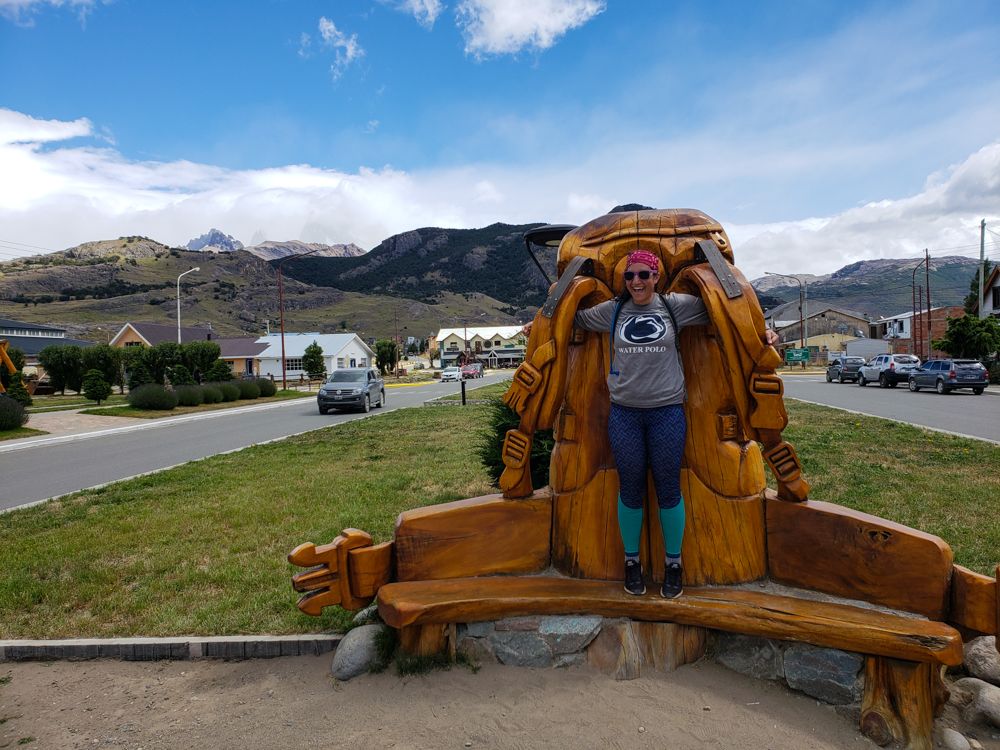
[527,328]
[770,336]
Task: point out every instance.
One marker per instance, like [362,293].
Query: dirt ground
[294,702]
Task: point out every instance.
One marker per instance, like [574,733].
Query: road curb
[233,648]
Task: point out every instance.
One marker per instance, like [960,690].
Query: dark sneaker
[672,581]
[633,578]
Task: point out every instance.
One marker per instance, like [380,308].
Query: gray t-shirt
[650,369]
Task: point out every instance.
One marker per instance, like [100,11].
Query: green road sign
[796,355]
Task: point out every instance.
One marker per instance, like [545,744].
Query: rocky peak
[215,240]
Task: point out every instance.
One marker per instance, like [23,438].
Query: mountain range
[431,277]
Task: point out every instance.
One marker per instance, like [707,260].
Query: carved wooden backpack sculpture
[556,550]
[734,401]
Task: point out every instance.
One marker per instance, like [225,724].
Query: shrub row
[157,398]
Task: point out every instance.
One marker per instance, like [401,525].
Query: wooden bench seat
[736,610]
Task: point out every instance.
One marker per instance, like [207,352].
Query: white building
[991,294]
[492,345]
[340,350]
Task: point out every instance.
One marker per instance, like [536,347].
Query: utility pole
[927,271]
[982,266]
[805,320]
[395,323]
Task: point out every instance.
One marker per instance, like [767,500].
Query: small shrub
[248,389]
[152,397]
[12,414]
[180,375]
[17,391]
[229,391]
[995,374]
[190,395]
[139,376]
[267,387]
[218,372]
[95,387]
[211,394]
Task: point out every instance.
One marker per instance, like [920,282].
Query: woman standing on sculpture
[647,425]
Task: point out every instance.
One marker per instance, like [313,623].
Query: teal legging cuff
[630,524]
[672,524]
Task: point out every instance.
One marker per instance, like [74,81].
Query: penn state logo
[643,329]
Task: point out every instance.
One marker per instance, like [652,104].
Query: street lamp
[803,300]
[281,309]
[191,270]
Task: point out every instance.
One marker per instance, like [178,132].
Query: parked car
[451,373]
[474,370]
[945,375]
[888,369]
[352,388]
[844,368]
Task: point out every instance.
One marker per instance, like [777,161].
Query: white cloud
[305,42]
[19,11]
[944,217]
[347,48]
[498,27]
[58,197]
[485,191]
[372,126]
[425,11]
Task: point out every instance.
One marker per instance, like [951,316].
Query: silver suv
[888,369]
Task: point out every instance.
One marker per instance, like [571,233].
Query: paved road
[33,471]
[960,412]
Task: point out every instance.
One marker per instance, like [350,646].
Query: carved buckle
[767,385]
[526,381]
[783,462]
[516,449]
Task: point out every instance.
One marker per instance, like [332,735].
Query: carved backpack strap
[739,326]
[539,385]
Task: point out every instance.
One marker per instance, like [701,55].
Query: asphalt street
[30,472]
[961,412]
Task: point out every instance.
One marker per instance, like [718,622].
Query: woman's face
[642,290]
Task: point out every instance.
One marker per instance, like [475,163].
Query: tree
[160,357]
[385,355]
[17,359]
[218,373]
[105,359]
[64,365]
[969,338]
[199,356]
[180,375]
[972,298]
[138,375]
[412,348]
[16,389]
[95,387]
[433,354]
[312,361]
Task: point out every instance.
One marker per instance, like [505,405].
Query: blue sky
[818,132]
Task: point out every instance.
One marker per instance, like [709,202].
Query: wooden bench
[787,618]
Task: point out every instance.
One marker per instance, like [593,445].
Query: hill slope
[881,287]
[424,263]
[93,295]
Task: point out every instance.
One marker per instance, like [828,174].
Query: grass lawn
[938,483]
[20,432]
[128,411]
[201,549]
[494,390]
[58,403]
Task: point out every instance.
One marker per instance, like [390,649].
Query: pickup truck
[352,388]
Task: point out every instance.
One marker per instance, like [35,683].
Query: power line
[35,247]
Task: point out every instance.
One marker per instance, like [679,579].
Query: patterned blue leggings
[653,438]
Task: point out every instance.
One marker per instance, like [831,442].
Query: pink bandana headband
[643,256]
